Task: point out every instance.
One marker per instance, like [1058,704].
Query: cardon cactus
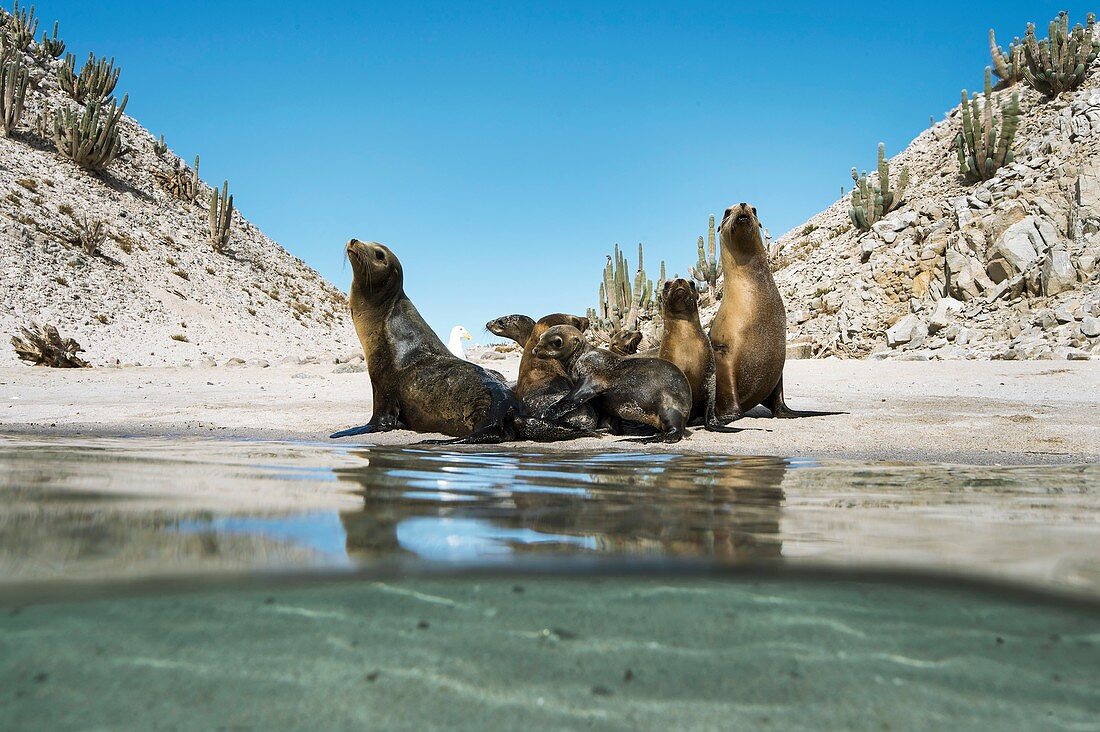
[1008,66]
[872,196]
[985,145]
[221,217]
[1060,62]
[90,139]
[13,90]
[95,82]
[20,28]
[182,183]
[52,47]
[709,265]
[622,300]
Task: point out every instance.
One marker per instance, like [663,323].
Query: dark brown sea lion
[416,380]
[633,388]
[749,332]
[543,381]
[625,342]
[686,344]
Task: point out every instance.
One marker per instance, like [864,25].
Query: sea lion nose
[743,205]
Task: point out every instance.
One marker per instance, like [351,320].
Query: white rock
[906,330]
[1019,244]
[1058,273]
[1090,326]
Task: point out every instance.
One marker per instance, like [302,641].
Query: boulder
[966,276]
[909,329]
[1058,274]
[998,270]
[1019,244]
[799,348]
[941,316]
[1088,192]
[1090,326]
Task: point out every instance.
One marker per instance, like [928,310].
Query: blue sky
[501,149]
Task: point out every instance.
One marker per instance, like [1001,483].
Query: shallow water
[188,584]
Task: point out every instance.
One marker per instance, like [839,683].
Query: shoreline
[986,412]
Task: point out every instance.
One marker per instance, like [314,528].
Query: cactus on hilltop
[1059,62]
[221,217]
[984,144]
[20,28]
[623,299]
[872,196]
[1007,65]
[95,82]
[52,47]
[13,90]
[160,146]
[182,183]
[90,139]
[709,265]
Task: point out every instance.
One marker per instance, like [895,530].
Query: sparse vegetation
[13,90]
[42,345]
[102,318]
[89,234]
[808,229]
[985,143]
[182,183]
[125,243]
[170,261]
[160,146]
[91,139]
[29,183]
[209,269]
[52,47]
[182,274]
[180,337]
[221,217]
[95,82]
[872,197]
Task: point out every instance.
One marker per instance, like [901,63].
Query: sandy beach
[980,412]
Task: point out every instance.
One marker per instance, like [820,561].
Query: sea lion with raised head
[415,380]
[543,381]
[632,388]
[749,332]
[686,344]
[625,342]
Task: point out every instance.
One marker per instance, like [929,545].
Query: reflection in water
[452,507]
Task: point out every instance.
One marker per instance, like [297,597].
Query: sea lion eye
[379,255]
[692,283]
[754,210]
[555,342]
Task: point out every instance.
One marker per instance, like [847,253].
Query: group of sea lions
[567,388]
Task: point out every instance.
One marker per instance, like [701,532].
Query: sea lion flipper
[779,409]
[364,429]
[582,392]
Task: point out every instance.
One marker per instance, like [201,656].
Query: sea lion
[634,388]
[414,378]
[543,381]
[625,342]
[749,332]
[686,345]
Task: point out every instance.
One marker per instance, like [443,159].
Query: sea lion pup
[686,345]
[634,388]
[414,378]
[543,381]
[625,342]
[749,332]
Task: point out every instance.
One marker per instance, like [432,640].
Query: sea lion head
[625,342]
[577,321]
[516,327]
[680,297]
[739,223]
[376,271]
[560,342]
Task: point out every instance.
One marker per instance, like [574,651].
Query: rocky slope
[1004,269]
[157,292]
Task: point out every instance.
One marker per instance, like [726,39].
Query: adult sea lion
[543,381]
[634,388]
[749,332]
[686,344]
[415,380]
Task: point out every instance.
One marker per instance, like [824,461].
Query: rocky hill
[1003,269]
[155,291]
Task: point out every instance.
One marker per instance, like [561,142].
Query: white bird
[458,334]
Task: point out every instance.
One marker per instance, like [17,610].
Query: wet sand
[979,412]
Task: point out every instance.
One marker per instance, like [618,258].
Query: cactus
[160,147]
[95,82]
[91,139]
[181,183]
[872,197]
[984,146]
[13,90]
[221,217]
[709,265]
[88,234]
[1007,66]
[1058,63]
[623,300]
[20,28]
[52,47]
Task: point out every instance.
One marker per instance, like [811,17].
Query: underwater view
[191,584]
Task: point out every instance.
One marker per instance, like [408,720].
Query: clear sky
[501,149]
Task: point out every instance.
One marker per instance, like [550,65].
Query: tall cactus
[872,197]
[91,139]
[95,82]
[984,145]
[221,217]
[709,265]
[52,47]
[1059,62]
[20,28]
[622,298]
[1008,66]
[13,90]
